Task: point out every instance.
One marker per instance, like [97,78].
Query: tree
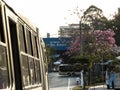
[95,43]
[95,18]
[49,51]
[114,24]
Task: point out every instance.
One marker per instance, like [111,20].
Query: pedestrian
[112,79]
[77,80]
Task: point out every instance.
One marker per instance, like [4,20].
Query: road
[57,82]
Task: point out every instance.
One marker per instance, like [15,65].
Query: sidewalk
[99,87]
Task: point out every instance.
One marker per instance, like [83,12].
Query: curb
[99,87]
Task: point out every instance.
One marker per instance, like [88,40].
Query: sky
[49,15]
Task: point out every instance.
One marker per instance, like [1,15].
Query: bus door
[11,20]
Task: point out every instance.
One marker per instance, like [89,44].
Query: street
[57,82]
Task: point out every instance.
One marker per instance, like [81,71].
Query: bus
[113,74]
[23,62]
[68,69]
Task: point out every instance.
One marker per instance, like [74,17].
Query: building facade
[69,31]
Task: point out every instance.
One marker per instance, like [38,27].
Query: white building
[69,31]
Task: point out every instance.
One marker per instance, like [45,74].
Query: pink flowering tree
[104,41]
[94,44]
[75,45]
[105,37]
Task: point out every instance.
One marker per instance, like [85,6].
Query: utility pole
[81,48]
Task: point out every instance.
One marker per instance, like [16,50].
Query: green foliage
[93,9]
[115,25]
[78,66]
[96,51]
[95,17]
[108,56]
[98,80]
[115,65]
[49,51]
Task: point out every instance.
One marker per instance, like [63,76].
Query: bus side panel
[27,68]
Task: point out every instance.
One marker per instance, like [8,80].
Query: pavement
[99,87]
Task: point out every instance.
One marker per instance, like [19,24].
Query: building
[69,31]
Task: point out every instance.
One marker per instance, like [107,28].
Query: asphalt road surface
[58,82]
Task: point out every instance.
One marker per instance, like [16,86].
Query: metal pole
[103,71]
[81,48]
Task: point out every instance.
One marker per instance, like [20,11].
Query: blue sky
[48,15]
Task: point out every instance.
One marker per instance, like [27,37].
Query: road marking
[68,84]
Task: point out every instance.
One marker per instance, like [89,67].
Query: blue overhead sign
[57,43]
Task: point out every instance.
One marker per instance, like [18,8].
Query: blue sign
[57,43]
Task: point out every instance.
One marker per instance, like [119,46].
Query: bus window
[22,38]
[29,42]
[2,39]
[25,71]
[34,42]
[32,70]
[37,70]
[4,80]
[35,48]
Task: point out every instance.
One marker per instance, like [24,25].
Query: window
[25,70]
[22,38]
[4,80]
[29,42]
[32,70]
[35,48]
[37,70]
[2,38]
